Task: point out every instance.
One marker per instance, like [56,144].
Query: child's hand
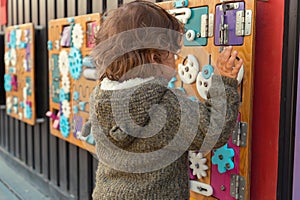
[228,64]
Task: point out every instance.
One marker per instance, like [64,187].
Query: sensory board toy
[72,76]
[19,78]
[210,25]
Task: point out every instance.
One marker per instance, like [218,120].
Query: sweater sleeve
[218,115]
[205,125]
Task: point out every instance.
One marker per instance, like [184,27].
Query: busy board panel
[19,78]
[209,26]
[72,76]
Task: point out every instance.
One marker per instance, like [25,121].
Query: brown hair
[134,15]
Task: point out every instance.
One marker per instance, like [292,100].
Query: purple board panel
[296,185]
[230,19]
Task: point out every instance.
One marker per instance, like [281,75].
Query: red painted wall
[266,108]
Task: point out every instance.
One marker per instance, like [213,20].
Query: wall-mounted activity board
[72,76]
[19,78]
[209,26]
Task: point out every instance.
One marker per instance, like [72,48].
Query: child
[143,130]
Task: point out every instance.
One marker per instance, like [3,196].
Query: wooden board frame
[82,86]
[23,103]
[246,52]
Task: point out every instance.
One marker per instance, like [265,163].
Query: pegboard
[210,25]
[19,78]
[72,76]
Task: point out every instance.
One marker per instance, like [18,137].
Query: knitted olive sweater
[160,120]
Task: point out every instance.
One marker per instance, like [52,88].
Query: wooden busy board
[72,76]
[19,78]
[202,39]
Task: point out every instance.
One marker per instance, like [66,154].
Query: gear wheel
[66,110]
[65,84]
[13,57]
[198,164]
[64,126]
[77,36]
[75,63]
[63,63]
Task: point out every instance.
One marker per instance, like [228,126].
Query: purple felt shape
[78,124]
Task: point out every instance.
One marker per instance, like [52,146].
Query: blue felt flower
[64,126]
[75,63]
[28,112]
[223,158]
[7,82]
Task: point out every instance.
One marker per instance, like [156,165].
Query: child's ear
[154,58]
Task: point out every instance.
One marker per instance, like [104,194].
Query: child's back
[142,128]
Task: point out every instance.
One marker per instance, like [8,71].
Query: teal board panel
[194,23]
[55,79]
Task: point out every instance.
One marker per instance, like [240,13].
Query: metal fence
[69,170]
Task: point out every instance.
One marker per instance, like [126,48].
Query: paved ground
[14,187]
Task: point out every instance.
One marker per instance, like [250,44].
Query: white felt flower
[77,36]
[13,57]
[198,165]
[66,110]
[65,81]
[63,62]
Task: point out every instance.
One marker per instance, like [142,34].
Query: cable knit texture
[153,100]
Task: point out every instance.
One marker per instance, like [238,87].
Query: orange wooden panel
[246,53]
[82,85]
[16,110]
